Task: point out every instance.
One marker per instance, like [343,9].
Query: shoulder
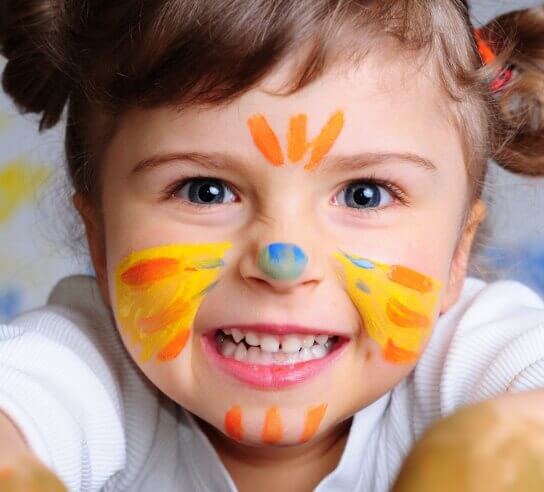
[490,342]
[94,403]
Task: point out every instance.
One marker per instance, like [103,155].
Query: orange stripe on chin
[404,317]
[233,423]
[410,278]
[173,349]
[149,271]
[392,353]
[314,415]
[265,139]
[272,429]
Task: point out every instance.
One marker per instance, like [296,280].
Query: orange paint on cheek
[314,416]
[272,429]
[411,279]
[150,271]
[324,142]
[404,317]
[265,139]
[233,423]
[392,353]
[157,322]
[174,348]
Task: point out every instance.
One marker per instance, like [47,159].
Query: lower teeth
[255,355]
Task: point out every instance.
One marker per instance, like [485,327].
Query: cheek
[157,294]
[398,305]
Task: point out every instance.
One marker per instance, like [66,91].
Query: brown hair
[116,55]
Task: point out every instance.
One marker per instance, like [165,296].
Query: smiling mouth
[266,348]
[272,356]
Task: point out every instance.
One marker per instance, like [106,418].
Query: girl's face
[364,162]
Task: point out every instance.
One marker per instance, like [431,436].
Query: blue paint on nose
[282,261]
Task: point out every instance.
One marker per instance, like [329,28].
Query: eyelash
[396,192]
[180,183]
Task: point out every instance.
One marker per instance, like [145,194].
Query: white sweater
[89,414]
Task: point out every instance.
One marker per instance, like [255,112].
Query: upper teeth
[267,342]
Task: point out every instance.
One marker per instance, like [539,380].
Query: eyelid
[396,192]
[175,187]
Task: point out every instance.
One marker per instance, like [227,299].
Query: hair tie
[488,55]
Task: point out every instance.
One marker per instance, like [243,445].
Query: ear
[95,239]
[459,264]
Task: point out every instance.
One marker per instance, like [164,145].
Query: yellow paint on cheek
[19,182]
[398,305]
[159,291]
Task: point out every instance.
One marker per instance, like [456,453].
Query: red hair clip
[488,56]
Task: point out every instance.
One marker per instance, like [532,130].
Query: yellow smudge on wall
[159,291]
[398,305]
[19,183]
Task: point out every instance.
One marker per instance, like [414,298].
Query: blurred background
[39,237]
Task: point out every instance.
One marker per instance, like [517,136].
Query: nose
[282,261]
[280,267]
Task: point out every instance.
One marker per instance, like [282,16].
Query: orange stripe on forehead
[149,271]
[272,429]
[297,143]
[314,416]
[233,423]
[324,142]
[265,139]
[392,353]
[411,279]
[404,317]
[174,348]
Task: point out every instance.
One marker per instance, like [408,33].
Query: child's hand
[27,474]
[497,446]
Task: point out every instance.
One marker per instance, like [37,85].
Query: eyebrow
[357,161]
[210,161]
[365,159]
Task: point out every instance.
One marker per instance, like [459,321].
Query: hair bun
[36,76]
[520,35]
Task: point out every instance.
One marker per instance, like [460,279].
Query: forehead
[388,105]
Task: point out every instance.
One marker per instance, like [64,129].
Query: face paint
[297,143]
[233,423]
[397,304]
[282,261]
[314,416]
[159,291]
[272,428]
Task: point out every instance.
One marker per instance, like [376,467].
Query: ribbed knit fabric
[89,413]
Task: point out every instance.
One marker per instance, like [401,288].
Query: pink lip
[273,376]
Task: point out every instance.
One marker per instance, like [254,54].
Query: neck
[287,468]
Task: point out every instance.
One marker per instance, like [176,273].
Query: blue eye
[205,191]
[364,194]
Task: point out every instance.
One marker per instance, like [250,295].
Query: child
[280,199]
